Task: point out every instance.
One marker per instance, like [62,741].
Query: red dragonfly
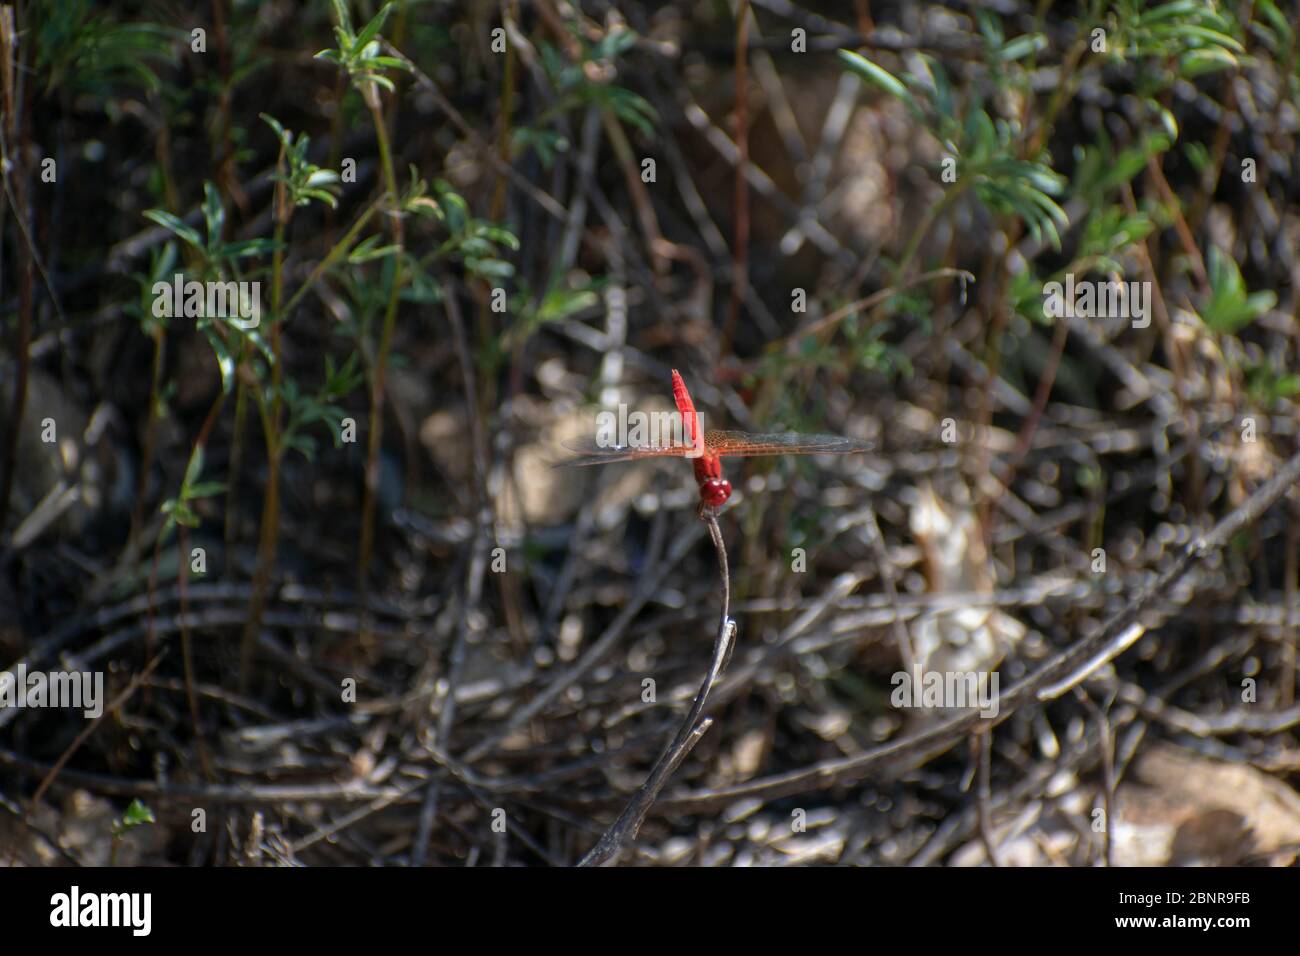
[707,456]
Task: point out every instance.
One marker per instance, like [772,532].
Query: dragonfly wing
[749,444]
[589,451]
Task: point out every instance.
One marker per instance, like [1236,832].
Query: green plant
[217,260]
[319,407]
[1266,384]
[215,255]
[1193,33]
[1231,307]
[586,81]
[181,515]
[475,243]
[298,182]
[358,54]
[162,264]
[982,150]
[82,50]
[303,180]
[180,509]
[136,815]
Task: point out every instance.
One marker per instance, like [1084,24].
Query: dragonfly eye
[715,491]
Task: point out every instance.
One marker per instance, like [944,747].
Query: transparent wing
[735,444]
[742,444]
[588,452]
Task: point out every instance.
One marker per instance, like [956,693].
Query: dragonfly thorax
[714,489]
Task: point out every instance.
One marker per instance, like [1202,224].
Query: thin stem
[150,441]
[11,147]
[740,248]
[333,256]
[507,111]
[269,530]
[236,456]
[182,571]
[187,653]
[922,229]
[982,743]
[266,547]
[839,315]
[375,436]
[1044,391]
[628,824]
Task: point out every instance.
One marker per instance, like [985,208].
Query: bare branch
[626,827]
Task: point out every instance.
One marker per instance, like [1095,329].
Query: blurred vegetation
[470,221]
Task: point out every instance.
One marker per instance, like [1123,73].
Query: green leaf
[454,209]
[561,303]
[380,80]
[206,489]
[1196,63]
[369,249]
[272,122]
[502,237]
[1179,8]
[248,247]
[225,361]
[1212,38]
[1230,308]
[322,177]
[875,75]
[137,814]
[489,268]
[371,29]
[1022,46]
[343,18]
[175,225]
[391,62]
[193,467]
[213,213]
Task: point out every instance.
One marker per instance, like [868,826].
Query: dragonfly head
[714,492]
